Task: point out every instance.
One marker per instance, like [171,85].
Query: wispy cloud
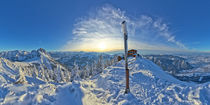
[104,26]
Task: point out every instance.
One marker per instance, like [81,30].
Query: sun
[102,46]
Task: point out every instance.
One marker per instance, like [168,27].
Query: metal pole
[127,90]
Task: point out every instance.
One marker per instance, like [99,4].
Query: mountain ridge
[36,63]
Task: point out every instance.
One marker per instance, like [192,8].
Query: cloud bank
[104,26]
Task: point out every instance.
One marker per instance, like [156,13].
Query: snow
[149,84]
[69,94]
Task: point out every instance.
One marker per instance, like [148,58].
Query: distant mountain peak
[42,50]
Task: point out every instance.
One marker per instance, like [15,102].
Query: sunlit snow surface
[148,85]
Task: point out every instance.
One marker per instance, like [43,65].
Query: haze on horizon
[96,25]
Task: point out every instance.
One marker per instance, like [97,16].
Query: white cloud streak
[104,25]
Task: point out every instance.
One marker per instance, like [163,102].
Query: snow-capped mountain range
[37,63]
[170,63]
[200,72]
[18,55]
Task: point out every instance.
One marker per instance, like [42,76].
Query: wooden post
[127,90]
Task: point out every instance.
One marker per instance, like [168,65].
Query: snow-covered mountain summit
[149,84]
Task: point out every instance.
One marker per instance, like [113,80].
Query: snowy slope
[148,84]
[33,91]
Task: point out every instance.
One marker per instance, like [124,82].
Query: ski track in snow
[148,85]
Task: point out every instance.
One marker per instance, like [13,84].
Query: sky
[95,25]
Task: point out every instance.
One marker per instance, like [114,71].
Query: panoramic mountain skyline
[96,25]
[104,52]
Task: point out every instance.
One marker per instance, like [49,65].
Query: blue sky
[59,24]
